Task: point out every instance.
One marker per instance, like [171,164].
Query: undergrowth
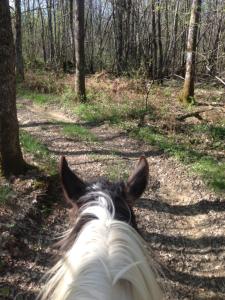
[39,151]
[37,97]
[215,134]
[199,146]
[6,193]
[210,169]
[114,113]
[78,132]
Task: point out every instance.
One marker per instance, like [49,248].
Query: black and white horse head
[123,194]
[105,258]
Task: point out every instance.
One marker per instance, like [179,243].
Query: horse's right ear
[73,187]
[138,180]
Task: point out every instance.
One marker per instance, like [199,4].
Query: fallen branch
[178,76]
[218,78]
[195,114]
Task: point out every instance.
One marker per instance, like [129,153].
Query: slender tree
[79,45]
[188,90]
[118,11]
[72,31]
[42,33]
[19,52]
[51,38]
[11,160]
[160,62]
[154,43]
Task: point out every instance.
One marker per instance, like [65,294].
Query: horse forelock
[102,200]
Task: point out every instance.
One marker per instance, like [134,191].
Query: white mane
[107,261]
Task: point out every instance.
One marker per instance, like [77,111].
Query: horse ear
[73,186]
[138,180]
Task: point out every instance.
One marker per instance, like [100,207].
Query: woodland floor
[182,220]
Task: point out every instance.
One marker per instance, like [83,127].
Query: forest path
[180,218]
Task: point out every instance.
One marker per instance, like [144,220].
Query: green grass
[208,136]
[38,98]
[100,107]
[78,132]
[210,169]
[5,193]
[216,132]
[20,105]
[114,113]
[39,151]
[167,91]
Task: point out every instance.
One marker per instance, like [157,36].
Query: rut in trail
[180,218]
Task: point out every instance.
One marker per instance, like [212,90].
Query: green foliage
[68,97]
[5,292]
[6,193]
[191,100]
[39,151]
[186,99]
[20,105]
[95,110]
[167,92]
[38,98]
[115,113]
[214,133]
[78,132]
[92,112]
[211,170]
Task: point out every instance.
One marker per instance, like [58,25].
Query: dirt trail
[180,218]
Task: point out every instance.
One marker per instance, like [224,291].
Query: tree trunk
[91,67]
[80,57]
[175,27]
[214,52]
[72,31]
[118,29]
[187,95]
[19,52]
[42,33]
[51,40]
[154,44]
[11,159]
[160,63]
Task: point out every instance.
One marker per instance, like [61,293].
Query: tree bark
[175,27]
[72,31]
[214,52]
[79,45]
[19,51]
[154,44]
[51,39]
[160,62]
[91,65]
[11,160]
[187,95]
[118,29]
[42,33]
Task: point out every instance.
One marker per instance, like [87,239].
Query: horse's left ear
[138,180]
[73,186]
